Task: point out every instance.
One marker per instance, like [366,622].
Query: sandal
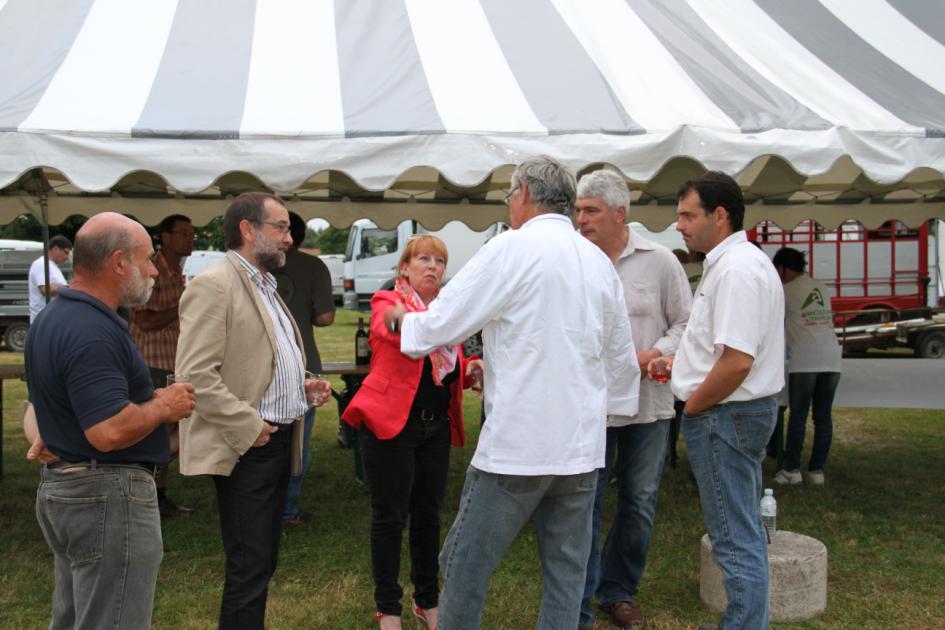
[426,615]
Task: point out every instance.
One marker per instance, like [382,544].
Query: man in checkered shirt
[155,327]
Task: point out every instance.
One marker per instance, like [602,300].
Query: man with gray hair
[101,428]
[558,359]
[657,302]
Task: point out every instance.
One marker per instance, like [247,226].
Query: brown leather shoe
[626,615]
[300,519]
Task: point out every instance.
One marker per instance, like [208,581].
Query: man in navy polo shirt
[101,434]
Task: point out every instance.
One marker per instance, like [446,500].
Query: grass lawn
[880,515]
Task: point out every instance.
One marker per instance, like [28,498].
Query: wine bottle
[362,350]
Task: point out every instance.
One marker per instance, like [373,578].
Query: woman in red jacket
[411,411]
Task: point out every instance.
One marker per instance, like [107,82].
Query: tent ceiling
[389,109]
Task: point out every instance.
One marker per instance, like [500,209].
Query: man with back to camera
[101,434]
[728,368]
[814,365]
[243,353]
[657,301]
[558,358]
[59,249]
[304,284]
[155,326]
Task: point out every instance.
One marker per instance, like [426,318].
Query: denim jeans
[492,510]
[407,476]
[615,573]
[104,531]
[810,389]
[250,502]
[291,508]
[726,446]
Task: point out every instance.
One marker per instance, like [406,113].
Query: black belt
[94,464]
[282,426]
[426,415]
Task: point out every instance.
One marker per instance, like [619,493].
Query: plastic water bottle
[769,513]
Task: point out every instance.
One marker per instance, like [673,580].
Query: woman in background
[411,411]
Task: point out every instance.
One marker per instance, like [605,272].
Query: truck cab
[372,253]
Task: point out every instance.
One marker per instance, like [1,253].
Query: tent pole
[44,208]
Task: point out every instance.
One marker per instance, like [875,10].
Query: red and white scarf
[443,359]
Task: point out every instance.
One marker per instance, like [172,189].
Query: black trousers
[250,501]
[407,475]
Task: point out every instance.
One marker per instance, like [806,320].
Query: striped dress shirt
[284,400]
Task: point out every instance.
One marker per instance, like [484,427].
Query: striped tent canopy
[388,109]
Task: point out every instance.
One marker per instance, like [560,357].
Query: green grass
[880,515]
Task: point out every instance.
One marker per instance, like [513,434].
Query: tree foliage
[331,240]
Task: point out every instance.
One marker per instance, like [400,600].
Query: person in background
[411,410]
[559,358]
[101,434]
[304,284]
[59,249]
[814,366]
[729,366]
[155,327]
[242,351]
[657,302]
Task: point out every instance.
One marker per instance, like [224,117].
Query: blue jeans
[614,575]
[492,510]
[104,530]
[809,389]
[726,446]
[291,508]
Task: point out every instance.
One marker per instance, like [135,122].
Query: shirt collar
[548,216]
[82,296]
[635,242]
[719,250]
[262,279]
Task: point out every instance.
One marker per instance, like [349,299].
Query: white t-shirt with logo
[811,341]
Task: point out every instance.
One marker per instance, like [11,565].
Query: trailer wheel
[931,345]
[15,336]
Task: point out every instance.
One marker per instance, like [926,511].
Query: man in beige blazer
[242,351]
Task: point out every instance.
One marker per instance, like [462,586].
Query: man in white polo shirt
[729,366]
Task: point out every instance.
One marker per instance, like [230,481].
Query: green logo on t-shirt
[814,297]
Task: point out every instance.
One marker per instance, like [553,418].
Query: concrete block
[797,577]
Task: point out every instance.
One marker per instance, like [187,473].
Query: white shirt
[811,340]
[658,298]
[740,304]
[284,399]
[557,346]
[37,278]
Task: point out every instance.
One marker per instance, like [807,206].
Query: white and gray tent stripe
[82,97]
[200,87]
[288,92]
[928,16]
[884,81]
[774,53]
[753,102]
[383,86]
[36,36]
[574,97]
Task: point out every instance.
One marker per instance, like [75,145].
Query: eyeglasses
[282,226]
[508,195]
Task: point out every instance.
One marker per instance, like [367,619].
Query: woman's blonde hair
[421,242]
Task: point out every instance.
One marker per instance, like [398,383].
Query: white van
[372,254]
[198,261]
